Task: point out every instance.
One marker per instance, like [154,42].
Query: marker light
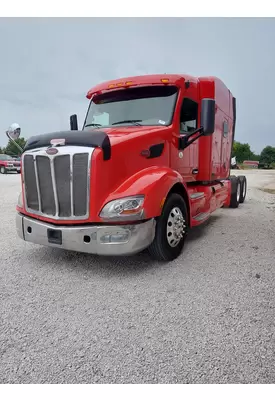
[120,84]
[165,80]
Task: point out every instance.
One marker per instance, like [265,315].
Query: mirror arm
[184,142]
[14,142]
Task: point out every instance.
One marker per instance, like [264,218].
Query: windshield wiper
[130,121]
[93,125]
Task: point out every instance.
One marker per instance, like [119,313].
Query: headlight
[127,208]
[20,200]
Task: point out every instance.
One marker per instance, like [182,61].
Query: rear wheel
[3,170]
[171,230]
[235,191]
[243,181]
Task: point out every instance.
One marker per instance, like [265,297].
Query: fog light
[118,237]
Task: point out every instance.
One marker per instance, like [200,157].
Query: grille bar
[37,185]
[54,188]
[71,185]
[58,186]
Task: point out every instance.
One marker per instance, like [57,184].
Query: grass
[271,191]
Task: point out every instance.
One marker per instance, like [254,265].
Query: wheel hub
[175,227]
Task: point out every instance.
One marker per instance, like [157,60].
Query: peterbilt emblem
[52,151]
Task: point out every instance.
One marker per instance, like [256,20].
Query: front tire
[3,170]
[171,230]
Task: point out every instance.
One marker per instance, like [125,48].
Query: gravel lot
[208,317]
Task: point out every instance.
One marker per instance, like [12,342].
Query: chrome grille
[57,186]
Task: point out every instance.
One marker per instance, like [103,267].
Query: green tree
[267,155]
[255,157]
[242,152]
[11,148]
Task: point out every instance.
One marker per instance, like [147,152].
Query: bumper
[101,240]
[11,169]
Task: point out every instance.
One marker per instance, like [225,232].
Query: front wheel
[3,170]
[171,230]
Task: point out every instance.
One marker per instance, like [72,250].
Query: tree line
[241,151]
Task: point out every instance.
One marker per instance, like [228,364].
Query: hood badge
[51,151]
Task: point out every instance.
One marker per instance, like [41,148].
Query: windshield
[5,157]
[151,105]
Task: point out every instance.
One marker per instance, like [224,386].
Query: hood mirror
[13,133]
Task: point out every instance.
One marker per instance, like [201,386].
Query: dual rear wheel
[238,190]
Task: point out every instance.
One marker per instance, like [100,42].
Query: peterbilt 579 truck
[151,161]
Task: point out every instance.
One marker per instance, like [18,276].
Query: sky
[48,65]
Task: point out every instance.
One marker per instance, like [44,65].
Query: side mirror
[13,131]
[208,116]
[73,122]
[13,134]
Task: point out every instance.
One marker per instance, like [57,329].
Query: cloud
[48,65]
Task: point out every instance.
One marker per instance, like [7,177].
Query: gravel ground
[208,317]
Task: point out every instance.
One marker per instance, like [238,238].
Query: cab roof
[142,80]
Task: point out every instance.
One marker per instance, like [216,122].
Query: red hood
[118,134]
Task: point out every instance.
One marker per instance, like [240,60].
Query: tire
[19,172]
[3,170]
[243,188]
[170,235]
[235,191]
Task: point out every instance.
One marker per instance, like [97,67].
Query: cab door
[186,161]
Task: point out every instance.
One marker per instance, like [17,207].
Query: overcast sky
[48,65]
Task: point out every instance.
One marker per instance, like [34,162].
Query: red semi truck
[151,161]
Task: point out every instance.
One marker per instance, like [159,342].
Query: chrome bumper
[11,168]
[101,240]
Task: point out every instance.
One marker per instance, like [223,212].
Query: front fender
[154,182]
